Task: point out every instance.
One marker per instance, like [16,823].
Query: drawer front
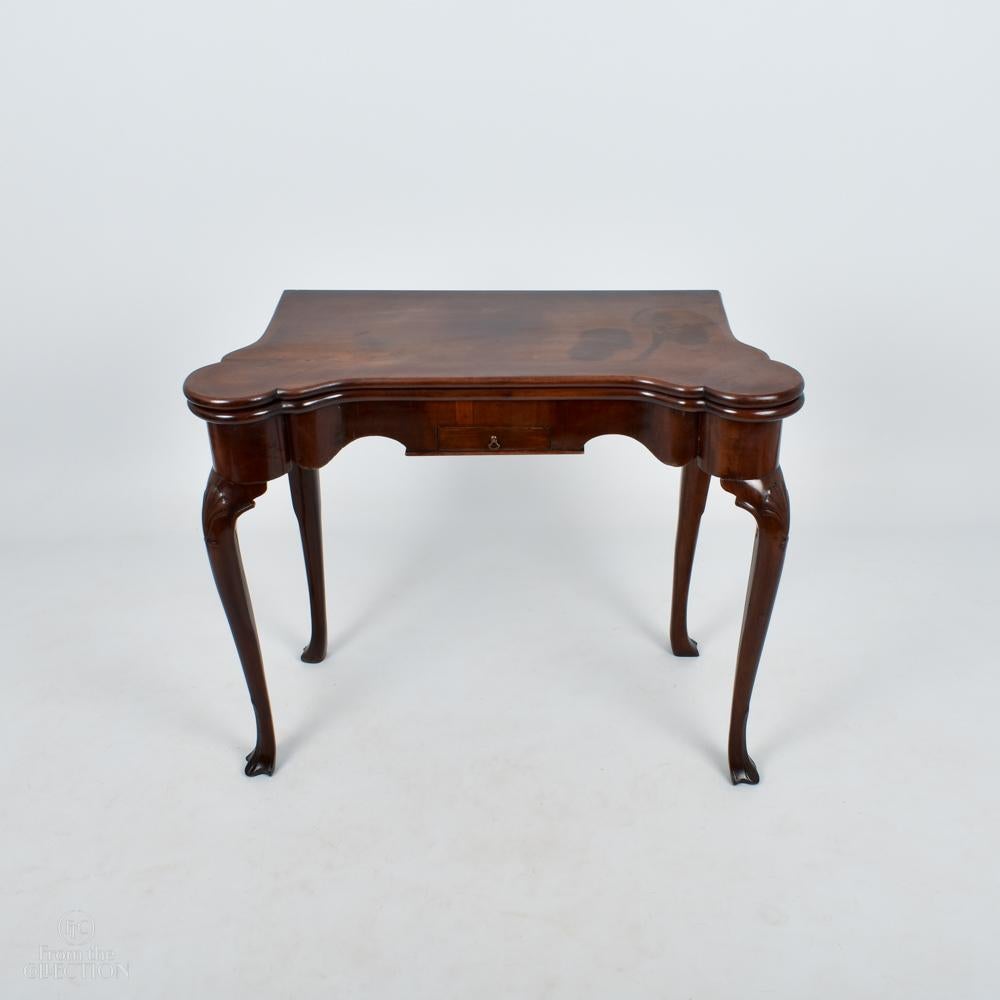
[495,440]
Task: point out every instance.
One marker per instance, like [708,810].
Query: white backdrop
[832,169]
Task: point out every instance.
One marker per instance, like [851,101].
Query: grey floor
[500,783]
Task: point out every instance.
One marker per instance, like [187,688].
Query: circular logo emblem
[76,928]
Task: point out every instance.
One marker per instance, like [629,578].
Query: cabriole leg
[694,490]
[224,502]
[767,500]
[304,485]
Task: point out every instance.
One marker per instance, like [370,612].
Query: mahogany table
[496,373]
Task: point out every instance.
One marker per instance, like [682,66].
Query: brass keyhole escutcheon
[494,443]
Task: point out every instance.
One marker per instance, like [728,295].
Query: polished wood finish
[448,373]
[694,492]
[304,486]
[222,505]
[767,500]
[675,346]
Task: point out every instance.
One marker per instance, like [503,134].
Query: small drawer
[492,439]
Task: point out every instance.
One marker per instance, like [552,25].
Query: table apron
[266,449]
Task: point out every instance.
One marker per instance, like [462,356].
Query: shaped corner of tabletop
[222,387]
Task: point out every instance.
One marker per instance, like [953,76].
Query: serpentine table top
[676,347]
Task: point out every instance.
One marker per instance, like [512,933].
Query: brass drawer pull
[480,439]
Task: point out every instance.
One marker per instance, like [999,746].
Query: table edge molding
[702,400]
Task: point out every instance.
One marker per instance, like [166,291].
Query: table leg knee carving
[767,500]
[223,503]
